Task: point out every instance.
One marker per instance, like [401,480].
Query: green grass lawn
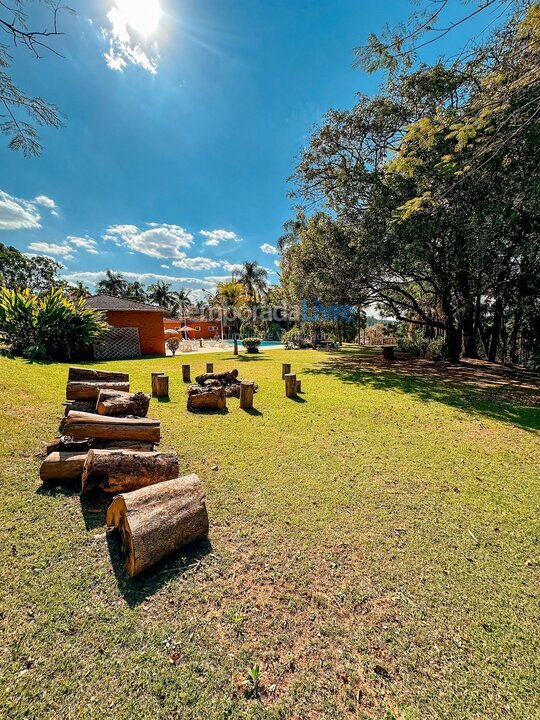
[373,548]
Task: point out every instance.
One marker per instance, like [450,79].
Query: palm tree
[253,278]
[78,290]
[183,301]
[112,284]
[135,291]
[231,295]
[162,295]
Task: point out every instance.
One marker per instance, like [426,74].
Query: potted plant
[251,344]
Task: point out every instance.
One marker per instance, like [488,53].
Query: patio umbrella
[187,329]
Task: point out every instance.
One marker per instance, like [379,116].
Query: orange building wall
[150,326]
[205,333]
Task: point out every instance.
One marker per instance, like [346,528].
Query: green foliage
[295,339]
[251,344]
[38,273]
[52,326]
[252,683]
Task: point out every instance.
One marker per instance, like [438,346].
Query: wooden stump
[388,352]
[155,375]
[186,373]
[157,520]
[235,350]
[114,402]
[87,425]
[285,370]
[298,386]
[78,374]
[209,368]
[60,467]
[114,471]
[247,390]
[290,385]
[88,390]
[208,397]
[162,386]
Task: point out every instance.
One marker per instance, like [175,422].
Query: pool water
[264,343]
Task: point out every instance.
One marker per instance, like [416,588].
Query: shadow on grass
[473,386]
[298,399]
[137,590]
[252,411]
[202,411]
[94,509]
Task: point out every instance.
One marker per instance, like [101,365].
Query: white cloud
[64,250]
[159,241]
[46,202]
[165,266]
[214,237]
[231,267]
[123,50]
[85,243]
[16,213]
[196,263]
[217,278]
[269,249]
[277,263]
[93,277]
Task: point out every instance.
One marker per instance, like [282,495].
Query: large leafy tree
[38,273]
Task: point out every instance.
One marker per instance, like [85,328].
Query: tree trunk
[90,390]
[186,373]
[87,425]
[114,471]
[290,385]
[496,330]
[77,374]
[209,368]
[154,377]
[247,390]
[162,386]
[454,339]
[60,467]
[469,334]
[225,377]
[113,402]
[285,370]
[206,397]
[157,520]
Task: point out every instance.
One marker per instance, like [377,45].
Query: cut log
[290,385]
[78,374]
[82,405]
[186,373]
[157,520]
[66,443]
[209,368]
[85,425]
[154,376]
[114,471]
[224,378]
[285,370]
[233,390]
[90,390]
[162,386]
[114,402]
[59,467]
[206,398]
[247,390]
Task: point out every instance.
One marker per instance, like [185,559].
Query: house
[137,327]
[202,327]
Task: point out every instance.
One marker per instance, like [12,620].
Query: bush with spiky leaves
[51,326]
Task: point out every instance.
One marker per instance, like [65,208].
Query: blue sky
[177,146]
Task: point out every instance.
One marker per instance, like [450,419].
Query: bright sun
[142,15]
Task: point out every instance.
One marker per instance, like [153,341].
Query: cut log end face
[158,520]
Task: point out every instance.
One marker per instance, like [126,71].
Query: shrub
[251,344]
[437,349]
[295,339]
[52,326]
[173,344]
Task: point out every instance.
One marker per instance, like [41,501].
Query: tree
[38,273]
[161,294]
[113,284]
[135,291]
[78,290]
[183,300]
[21,111]
[253,278]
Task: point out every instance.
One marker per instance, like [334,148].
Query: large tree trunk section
[290,385]
[157,520]
[226,377]
[162,386]
[186,373]
[155,375]
[247,390]
[114,402]
[114,471]
[90,390]
[233,390]
[206,398]
[84,425]
[60,467]
[77,374]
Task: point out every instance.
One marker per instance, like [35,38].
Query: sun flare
[141,15]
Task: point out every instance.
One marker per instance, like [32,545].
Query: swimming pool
[269,344]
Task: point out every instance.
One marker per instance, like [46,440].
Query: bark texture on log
[285,370]
[206,398]
[209,368]
[85,425]
[233,390]
[186,373]
[66,443]
[90,390]
[162,386]
[78,374]
[154,376]
[82,405]
[59,467]
[224,378]
[157,520]
[247,390]
[114,471]
[114,402]
[290,385]
[298,386]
